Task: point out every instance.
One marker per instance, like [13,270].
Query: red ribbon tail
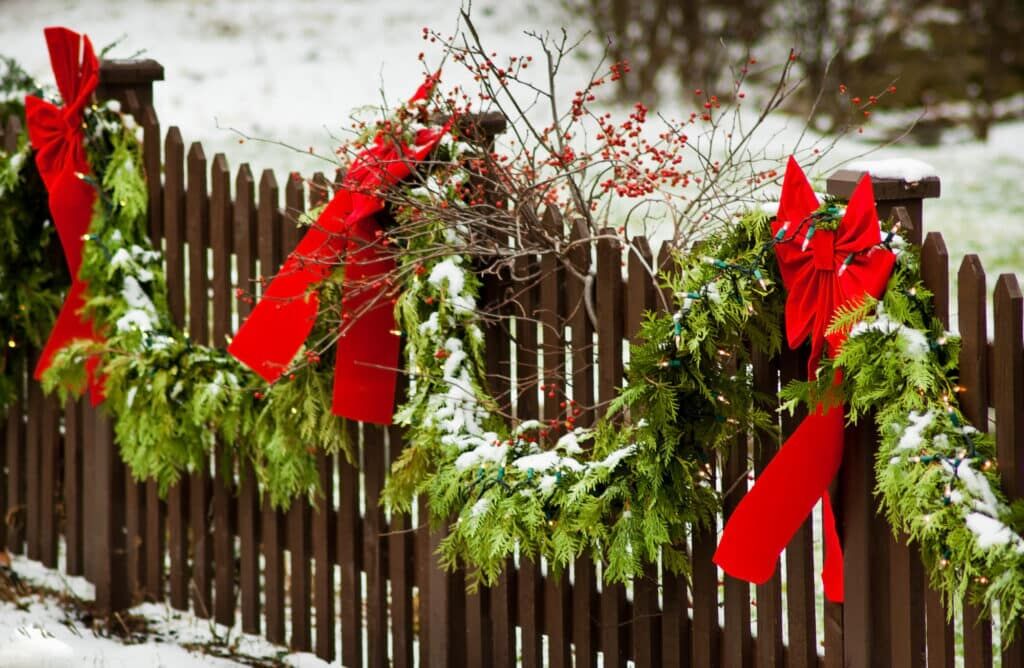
[366,373]
[781,499]
[832,573]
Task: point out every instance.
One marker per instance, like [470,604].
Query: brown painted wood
[272,538]
[1009,404]
[585,602]
[14,489]
[939,637]
[906,587]
[244,232]
[349,549]
[557,602]
[221,235]
[33,436]
[135,532]
[770,651]
[706,634]
[112,593]
[174,224]
[249,542]
[300,574]
[610,325]
[14,458]
[323,579]
[737,648]
[646,621]
[90,512]
[177,543]
[244,224]
[154,542]
[866,626]
[374,457]
[800,571]
[675,621]
[223,541]
[295,205]
[174,259]
[501,597]
[268,217]
[49,444]
[154,187]
[974,401]
[529,584]
[197,234]
[400,572]
[72,489]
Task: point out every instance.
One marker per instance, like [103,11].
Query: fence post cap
[129,71]
[843,181]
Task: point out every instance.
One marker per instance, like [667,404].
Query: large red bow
[346,232]
[822,270]
[56,135]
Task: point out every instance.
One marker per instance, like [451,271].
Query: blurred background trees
[958,62]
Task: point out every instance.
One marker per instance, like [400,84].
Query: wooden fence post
[872,608]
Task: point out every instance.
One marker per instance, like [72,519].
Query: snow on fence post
[884,612]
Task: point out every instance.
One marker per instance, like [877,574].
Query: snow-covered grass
[39,631]
[295,71]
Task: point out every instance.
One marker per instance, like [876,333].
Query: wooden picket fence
[342,569]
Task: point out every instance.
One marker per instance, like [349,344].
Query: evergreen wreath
[32,275]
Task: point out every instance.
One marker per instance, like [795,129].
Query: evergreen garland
[174,400]
[633,496]
[32,271]
[937,477]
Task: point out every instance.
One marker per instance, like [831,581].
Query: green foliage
[33,274]
[633,495]
[177,402]
[937,479]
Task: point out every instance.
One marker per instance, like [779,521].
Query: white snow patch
[988,531]
[904,169]
[913,435]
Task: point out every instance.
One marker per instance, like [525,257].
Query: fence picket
[498,354]
[1009,365]
[244,228]
[646,622]
[49,445]
[197,233]
[529,582]
[935,274]
[610,321]
[174,259]
[770,651]
[973,327]
[557,602]
[349,555]
[323,583]
[800,571]
[373,546]
[33,435]
[72,488]
[221,239]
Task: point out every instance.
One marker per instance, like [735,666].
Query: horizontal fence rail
[355,584]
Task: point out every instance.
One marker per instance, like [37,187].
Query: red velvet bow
[56,135]
[346,233]
[822,270]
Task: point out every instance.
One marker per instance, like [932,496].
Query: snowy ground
[38,632]
[295,71]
